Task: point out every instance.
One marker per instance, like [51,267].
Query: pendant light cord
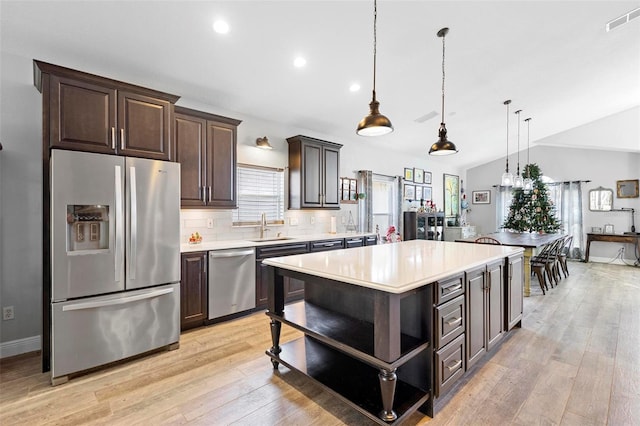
[518,168]
[443,37]
[528,136]
[507,104]
[375,42]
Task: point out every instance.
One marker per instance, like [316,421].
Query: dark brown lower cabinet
[193,289]
[293,289]
[484,310]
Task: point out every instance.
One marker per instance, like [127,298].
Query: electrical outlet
[7,313]
[313,220]
[209,223]
[293,221]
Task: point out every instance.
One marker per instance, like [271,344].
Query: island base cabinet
[514,279]
[450,366]
[370,348]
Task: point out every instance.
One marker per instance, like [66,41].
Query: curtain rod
[554,183]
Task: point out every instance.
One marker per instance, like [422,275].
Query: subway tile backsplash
[309,222]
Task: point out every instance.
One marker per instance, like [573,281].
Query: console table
[611,238]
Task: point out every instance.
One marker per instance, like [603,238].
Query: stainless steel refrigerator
[115,258]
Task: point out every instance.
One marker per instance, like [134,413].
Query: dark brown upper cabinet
[90,113]
[314,167]
[206,151]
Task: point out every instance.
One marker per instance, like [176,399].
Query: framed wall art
[408,174]
[427,178]
[418,193]
[426,193]
[418,175]
[481,197]
[451,184]
[409,192]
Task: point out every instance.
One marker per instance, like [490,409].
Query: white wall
[21,189]
[602,168]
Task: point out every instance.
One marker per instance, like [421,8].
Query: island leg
[275,339]
[275,303]
[528,252]
[388,390]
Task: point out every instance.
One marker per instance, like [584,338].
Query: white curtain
[504,195]
[567,198]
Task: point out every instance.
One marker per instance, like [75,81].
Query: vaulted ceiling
[553,59]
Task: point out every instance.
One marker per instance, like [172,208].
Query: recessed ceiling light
[299,62]
[354,87]
[221,27]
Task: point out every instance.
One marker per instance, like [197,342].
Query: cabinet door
[190,136]
[475,283]
[494,303]
[221,165]
[331,170]
[293,289]
[144,126]
[193,290]
[311,175]
[514,279]
[82,116]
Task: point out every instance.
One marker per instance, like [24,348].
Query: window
[260,190]
[384,201]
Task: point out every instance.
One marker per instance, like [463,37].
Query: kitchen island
[385,325]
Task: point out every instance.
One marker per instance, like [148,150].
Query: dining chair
[538,263]
[564,252]
[486,240]
[548,258]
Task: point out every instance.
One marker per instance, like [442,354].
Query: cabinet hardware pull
[455,365]
[202,189]
[113,138]
[454,321]
[121,138]
[209,194]
[452,288]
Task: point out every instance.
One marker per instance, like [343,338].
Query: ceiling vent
[623,19]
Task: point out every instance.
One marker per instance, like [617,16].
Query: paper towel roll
[333,225]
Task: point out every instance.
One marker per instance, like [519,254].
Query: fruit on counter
[195,238]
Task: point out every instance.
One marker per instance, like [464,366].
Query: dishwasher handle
[217,255]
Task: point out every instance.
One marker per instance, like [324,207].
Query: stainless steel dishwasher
[232,281]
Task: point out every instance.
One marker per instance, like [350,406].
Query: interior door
[87,224]
[153,222]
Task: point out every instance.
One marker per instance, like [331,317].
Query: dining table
[531,242]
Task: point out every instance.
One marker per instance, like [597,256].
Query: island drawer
[449,365]
[448,289]
[450,321]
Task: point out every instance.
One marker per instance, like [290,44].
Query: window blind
[260,190]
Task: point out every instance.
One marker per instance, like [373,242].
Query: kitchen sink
[261,240]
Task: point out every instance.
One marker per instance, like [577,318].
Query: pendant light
[517,180]
[374,124]
[443,146]
[527,184]
[507,178]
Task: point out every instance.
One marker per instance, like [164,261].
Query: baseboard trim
[608,260]
[20,346]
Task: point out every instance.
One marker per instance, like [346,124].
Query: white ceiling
[552,58]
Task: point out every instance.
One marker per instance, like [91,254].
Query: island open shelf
[353,382]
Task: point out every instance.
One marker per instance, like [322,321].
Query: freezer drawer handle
[214,255]
[120,301]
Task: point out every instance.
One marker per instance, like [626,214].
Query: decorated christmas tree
[532,211]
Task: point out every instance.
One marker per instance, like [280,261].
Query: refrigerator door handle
[118,301]
[119,256]
[133,223]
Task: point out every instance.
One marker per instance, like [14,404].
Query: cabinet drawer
[327,245]
[371,240]
[281,250]
[448,289]
[449,365]
[354,242]
[450,321]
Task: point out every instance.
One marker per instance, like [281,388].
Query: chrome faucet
[263,225]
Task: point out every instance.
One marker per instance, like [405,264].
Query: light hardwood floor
[575,361]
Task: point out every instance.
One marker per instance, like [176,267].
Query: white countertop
[230,244]
[397,267]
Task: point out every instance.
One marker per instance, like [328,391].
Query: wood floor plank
[575,361]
